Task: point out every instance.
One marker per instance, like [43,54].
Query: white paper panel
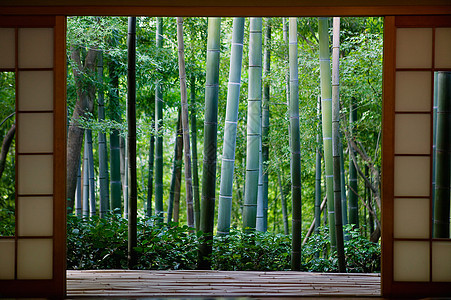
[35,259]
[442,47]
[412,134]
[35,48]
[35,91]
[35,174]
[7,48]
[412,176]
[7,256]
[411,218]
[414,47]
[441,261]
[35,216]
[410,261]
[35,132]
[413,91]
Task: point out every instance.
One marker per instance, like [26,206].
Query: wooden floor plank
[132,283]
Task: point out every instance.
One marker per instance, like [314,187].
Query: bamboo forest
[224,143]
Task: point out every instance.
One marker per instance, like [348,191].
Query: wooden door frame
[41,8]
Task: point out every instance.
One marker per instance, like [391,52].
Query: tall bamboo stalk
[85,178]
[262,213]
[230,128]
[344,202]
[336,144]
[150,175]
[194,152]
[104,194]
[78,192]
[131,141]
[159,131]
[253,124]
[115,155]
[174,190]
[442,165]
[210,141]
[185,125]
[318,170]
[283,200]
[92,187]
[295,148]
[434,139]
[326,108]
[353,184]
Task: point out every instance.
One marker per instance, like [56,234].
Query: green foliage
[102,244]
[251,251]
[362,255]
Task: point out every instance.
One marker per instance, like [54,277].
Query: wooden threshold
[131,283]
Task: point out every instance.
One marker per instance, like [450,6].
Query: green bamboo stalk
[253,124]
[326,107]
[159,131]
[336,145]
[434,140]
[283,200]
[185,125]
[230,129]
[295,148]
[104,195]
[344,202]
[115,155]
[78,192]
[210,141]
[85,194]
[317,211]
[131,142]
[353,184]
[174,190]
[92,187]
[150,175]
[124,172]
[262,210]
[194,152]
[442,165]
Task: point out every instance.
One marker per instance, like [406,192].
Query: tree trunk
[210,141]
[253,124]
[104,195]
[326,107]
[85,103]
[336,145]
[159,132]
[131,141]
[442,166]
[230,129]
[262,222]
[295,149]
[185,125]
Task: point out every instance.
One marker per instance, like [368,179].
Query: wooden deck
[122,283]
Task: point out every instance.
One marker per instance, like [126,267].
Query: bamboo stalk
[230,128]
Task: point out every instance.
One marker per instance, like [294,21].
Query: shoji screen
[414,263]
[32,262]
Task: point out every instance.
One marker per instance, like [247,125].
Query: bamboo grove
[260,124]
